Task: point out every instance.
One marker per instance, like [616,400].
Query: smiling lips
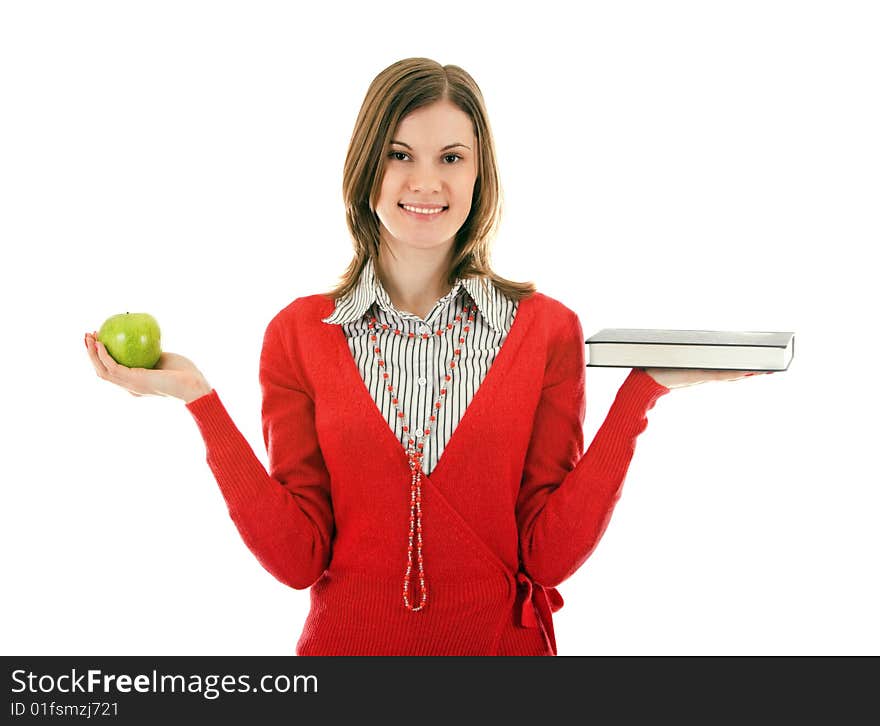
[423,210]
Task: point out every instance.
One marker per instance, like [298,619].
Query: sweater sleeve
[284,515]
[566,497]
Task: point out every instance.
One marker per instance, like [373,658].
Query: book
[712,349]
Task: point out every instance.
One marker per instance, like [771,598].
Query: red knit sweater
[513,507]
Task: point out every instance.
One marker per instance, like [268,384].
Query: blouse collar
[369,289]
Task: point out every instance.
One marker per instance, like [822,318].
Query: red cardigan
[512,508]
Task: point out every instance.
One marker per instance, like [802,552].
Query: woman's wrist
[200,389]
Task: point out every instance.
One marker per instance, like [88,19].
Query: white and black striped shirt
[418,366]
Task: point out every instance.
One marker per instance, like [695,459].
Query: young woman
[424,420]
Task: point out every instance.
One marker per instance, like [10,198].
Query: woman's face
[431,164]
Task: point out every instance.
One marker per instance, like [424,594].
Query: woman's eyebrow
[448,146]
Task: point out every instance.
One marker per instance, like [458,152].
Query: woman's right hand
[173,375]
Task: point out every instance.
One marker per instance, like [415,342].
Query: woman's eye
[397,154]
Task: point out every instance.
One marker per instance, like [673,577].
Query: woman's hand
[173,375]
[680,377]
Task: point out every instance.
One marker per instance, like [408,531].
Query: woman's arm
[566,497]
[284,515]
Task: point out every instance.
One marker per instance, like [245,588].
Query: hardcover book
[711,349]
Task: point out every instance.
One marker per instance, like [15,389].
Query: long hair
[397,91]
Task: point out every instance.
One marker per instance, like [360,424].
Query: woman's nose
[424,180]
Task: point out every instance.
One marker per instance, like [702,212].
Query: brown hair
[397,91]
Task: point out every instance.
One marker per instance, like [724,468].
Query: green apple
[132,339]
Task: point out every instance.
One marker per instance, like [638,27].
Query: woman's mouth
[423,213]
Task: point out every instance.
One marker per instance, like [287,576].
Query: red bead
[442,391]
[452,364]
[432,417]
[458,351]
[448,377]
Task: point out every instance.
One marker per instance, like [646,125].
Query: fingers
[719,374]
[106,368]
[92,347]
[104,358]
[112,369]
[729,375]
[746,374]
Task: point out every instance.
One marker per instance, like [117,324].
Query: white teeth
[417,210]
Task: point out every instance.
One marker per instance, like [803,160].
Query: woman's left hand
[680,377]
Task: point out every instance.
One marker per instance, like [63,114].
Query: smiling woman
[427,479]
[425,198]
[423,140]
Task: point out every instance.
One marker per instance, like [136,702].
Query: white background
[676,164]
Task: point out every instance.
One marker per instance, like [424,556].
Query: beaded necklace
[414,449]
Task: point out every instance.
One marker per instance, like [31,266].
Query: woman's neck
[414,279]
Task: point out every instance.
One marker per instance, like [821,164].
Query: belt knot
[537,605]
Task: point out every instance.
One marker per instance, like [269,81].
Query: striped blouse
[417,366]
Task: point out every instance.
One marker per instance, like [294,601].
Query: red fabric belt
[534,598]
